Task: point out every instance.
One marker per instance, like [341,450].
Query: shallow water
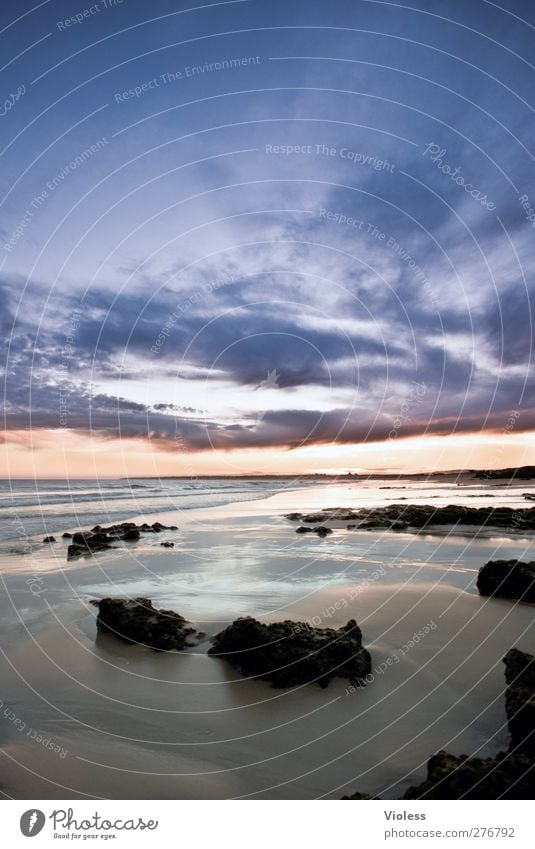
[39,508]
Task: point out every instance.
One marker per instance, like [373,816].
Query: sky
[251,237]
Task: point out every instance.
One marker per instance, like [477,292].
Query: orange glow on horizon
[67,454]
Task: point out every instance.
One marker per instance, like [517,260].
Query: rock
[520,700]
[131,535]
[67,535]
[321,530]
[417,517]
[99,537]
[79,538]
[137,621]
[168,544]
[508,776]
[507,579]
[359,796]
[49,539]
[314,518]
[290,654]
[77,550]
[293,517]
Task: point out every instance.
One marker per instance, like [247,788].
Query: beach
[85,715]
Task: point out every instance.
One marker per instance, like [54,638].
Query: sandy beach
[86,715]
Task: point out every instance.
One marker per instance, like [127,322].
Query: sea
[31,508]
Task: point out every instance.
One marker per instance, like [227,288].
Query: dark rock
[168,544]
[293,653]
[131,535]
[49,539]
[508,776]
[67,535]
[520,700]
[511,774]
[99,537]
[359,796]
[507,579]
[78,550]
[343,515]
[79,538]
[314,518]
[137,621]
[417,517]
[321,530]
[293,517]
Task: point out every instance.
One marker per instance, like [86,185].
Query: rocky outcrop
[289,654]
[88,543]
[509,775]
[137,621]
[321,530]
[359,796]
[520,700]
[513,579]
[100,538]
[49,539]
[416,517]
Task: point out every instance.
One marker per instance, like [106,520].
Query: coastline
[188,726]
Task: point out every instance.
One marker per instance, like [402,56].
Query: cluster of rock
[401,517]
[520,700]
[137,621]
[509,775]
[320,530]
[514,579]
[289,654]
[100,538]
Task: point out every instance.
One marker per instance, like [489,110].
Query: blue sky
[250,225]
